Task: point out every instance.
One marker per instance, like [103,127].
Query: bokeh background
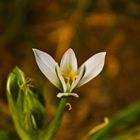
[88,27]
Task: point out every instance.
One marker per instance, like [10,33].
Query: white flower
[68,76]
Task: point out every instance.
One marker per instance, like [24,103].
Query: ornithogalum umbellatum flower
[67,76]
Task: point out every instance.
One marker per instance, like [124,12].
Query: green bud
[27,110]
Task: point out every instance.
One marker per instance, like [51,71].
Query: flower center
[69,74]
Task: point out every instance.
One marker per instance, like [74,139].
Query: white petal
[69,59]
[94,66]
[61,78]
[81,72]
[47,66]
[59,95]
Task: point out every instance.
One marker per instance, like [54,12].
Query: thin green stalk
[15,24]
[56,121]
[123,118]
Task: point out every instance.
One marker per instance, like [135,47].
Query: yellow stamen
[69,74]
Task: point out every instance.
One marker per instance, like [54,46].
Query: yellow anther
[69,74]
[72,75]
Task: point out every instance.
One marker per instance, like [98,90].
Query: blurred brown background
[87,26]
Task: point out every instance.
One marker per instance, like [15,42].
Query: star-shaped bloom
[67,76]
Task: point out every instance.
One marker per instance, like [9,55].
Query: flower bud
[27,110]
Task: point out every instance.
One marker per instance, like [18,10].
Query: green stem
[56,121]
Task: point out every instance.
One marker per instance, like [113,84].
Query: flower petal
[69,60]
[81,72]
[94,66]
[61,78]
[47,66]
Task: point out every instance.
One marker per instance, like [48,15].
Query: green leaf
[4,135]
